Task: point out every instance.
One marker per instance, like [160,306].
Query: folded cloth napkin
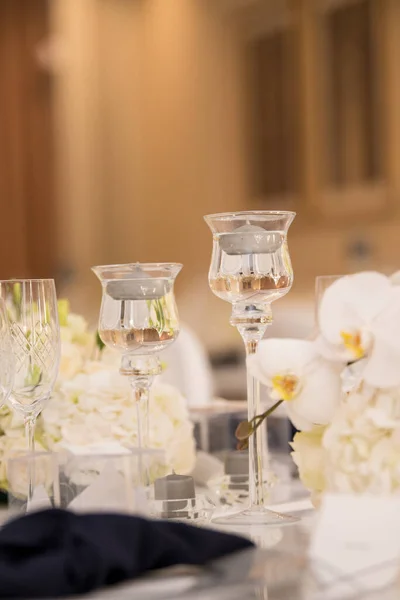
[58,553]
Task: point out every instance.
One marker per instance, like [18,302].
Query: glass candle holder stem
[252,323]
[141,371]
[141,398]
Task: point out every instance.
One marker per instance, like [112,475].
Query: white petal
[299,422]
[278,356]
[254,368]
[383,365]
[334,352]
[352,376]
[320,395]
[395,278]
[351,303]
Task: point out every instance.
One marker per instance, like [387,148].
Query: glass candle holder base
[256,516]
[196,511]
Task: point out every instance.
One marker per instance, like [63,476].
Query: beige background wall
[151,131]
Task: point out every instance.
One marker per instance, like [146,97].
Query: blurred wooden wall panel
[27,235]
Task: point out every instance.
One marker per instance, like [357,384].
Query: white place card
[356,544]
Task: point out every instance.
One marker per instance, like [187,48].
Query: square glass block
[41,469]
[109,482]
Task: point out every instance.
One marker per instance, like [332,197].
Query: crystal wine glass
[250,268]
[7,359]
[35,342]
[138,319]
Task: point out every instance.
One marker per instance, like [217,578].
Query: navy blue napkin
[59,553]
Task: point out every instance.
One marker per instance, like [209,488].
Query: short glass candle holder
[197,510]
[37,473]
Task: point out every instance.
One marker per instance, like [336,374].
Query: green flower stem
[246,429]
[258,419]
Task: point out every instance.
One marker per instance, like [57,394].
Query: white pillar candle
[137,289]
[174,487]
[237,466]
[177,493]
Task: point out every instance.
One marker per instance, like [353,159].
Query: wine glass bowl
[35,341]
[7,359]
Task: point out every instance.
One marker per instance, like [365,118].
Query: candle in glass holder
[237,466]
[250,239]
[175,491]
[137,289]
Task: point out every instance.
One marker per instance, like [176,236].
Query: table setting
[106,489]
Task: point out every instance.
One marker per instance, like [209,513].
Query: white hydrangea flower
[362,443]
[309,456]
[77,342]
[96,407]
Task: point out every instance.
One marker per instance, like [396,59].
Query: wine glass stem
[30,423]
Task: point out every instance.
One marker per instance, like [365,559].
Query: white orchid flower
[395,278]
[359,318]
[294,371]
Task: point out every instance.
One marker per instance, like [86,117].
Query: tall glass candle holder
[139,319]
[250,268]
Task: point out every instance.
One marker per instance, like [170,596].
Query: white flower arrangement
[342,390]
[92,406]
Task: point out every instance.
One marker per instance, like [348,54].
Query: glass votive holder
[32,482]
[232,488]
[195,511]
[109,482]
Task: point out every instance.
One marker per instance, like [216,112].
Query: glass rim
[23,455]
[46,279]
[131,454]
[248,213]
[329,276]
[146,265]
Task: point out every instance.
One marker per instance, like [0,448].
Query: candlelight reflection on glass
[250,268]
[138,319]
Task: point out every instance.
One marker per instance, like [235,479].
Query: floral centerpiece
[341,390]
[92,405]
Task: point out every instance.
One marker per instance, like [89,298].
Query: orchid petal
[395,278]
[279,356]
[333,352]
[320,394]
[383,367]
[299,422]
[352,376]
[351,303]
